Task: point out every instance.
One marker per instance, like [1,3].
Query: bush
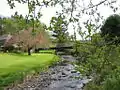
[100,61]
[112,81]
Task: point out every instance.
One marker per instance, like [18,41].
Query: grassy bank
[16,66]
[47,51]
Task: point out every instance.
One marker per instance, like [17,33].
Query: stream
[62,76]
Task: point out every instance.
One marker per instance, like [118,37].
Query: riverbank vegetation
[100,57]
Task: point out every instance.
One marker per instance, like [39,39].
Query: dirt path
[61,77]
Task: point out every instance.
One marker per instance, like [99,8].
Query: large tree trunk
[29,53]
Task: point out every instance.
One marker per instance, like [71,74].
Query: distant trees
[59,27]
[16,23]
[26,34]
[10,25]
[25,40]
[111,29]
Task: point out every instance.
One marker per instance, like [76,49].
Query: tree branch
[95,5]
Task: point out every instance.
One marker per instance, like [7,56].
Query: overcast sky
[23,9]
[47,12]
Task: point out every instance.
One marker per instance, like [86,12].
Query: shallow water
[61,77]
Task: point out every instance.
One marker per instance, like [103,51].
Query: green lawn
[12,66]
[47,51]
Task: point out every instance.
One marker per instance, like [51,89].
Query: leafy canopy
[111,29]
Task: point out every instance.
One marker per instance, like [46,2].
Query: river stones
[63,76]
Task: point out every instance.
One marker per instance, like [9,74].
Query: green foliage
[8,25]
[112,81]
[100,61]
[97,40]
[92,86]
[17,22]
[111,29]
[59,27]
[82,49]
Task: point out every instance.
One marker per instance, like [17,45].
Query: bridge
[59,47]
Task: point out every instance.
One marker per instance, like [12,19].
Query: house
[3,39]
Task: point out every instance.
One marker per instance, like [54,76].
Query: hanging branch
[72,4]
[95,5]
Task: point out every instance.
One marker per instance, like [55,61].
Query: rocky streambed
[62,76]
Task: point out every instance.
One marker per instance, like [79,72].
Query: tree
[12,24]
[25,40]
[1,26]
[16,23]
[7,25]
[111,29]
[59,27]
